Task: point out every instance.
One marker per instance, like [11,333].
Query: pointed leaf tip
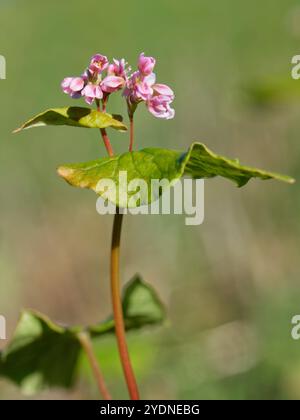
[201,162]
[64,172]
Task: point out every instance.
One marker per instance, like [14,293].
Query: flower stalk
[131,134]
[85,341]
[118,309]
[106,141]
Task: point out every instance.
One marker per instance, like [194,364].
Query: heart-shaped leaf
[44,354]
[36,356]
[157,164]
[75,117]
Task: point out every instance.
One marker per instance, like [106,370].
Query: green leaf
[149,164]
[75,117]
[141,306]
[43,354]
[200,162]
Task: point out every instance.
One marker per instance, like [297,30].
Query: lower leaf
[43,354]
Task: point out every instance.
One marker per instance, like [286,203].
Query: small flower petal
[77,84]
[164,90]
[65,84]
[112,84]
[92,92]
[73,86]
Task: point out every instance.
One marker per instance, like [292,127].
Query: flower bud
[146,64]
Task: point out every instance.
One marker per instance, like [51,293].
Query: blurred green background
[231,286]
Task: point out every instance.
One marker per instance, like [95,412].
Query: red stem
[131,134]
[107,142]
[103,132]
[118,310]
[104,102]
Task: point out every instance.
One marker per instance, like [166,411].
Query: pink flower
[118,68]
[112,83]
[73,86]
[139,87]
[146,64]
[159,106]
[65,85]
[98,64]
[92,92]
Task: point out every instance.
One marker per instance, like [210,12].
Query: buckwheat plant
[45,354]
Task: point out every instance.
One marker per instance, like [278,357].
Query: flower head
[92,92]
[73,86]
[160,102]
[98,64]
[146,64]
[159,106]
[118,68]
[139,87]
[112,84]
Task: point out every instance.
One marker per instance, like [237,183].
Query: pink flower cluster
[142,87]
[92,85]
[103,78]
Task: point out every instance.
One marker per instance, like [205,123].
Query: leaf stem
[104,102]
[107,142]
[103,132]
[85,341]
[131,133]
[118,310]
